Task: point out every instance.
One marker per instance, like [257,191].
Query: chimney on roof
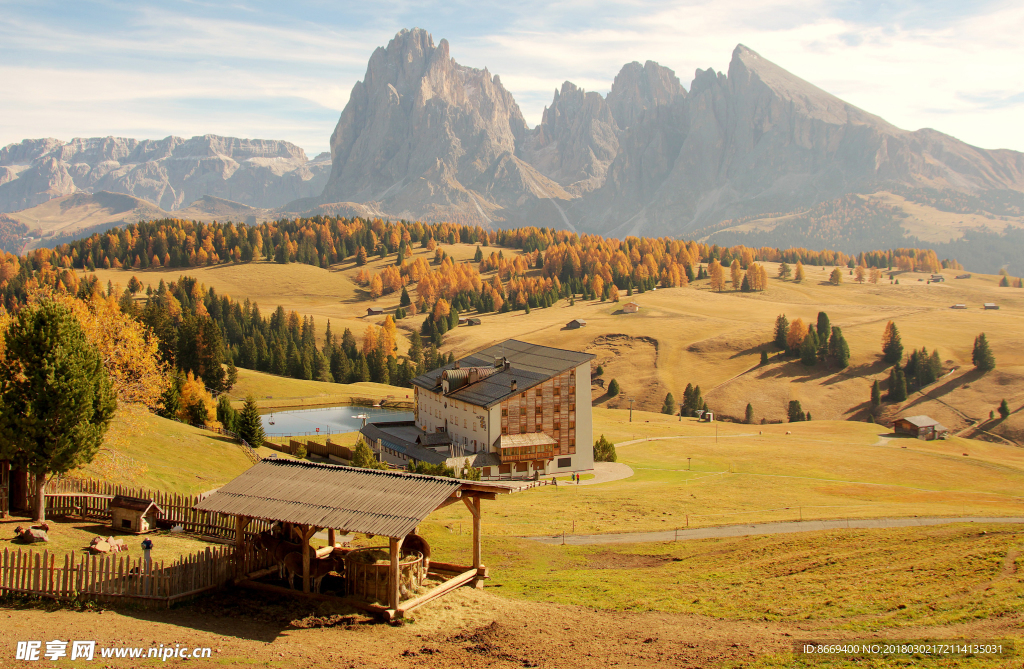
[514,385]
[457,365]
[499,362]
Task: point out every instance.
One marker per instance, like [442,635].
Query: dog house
[134,514]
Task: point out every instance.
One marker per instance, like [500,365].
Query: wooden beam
[472,506]
[330,537]
[306,533]
[477,561]
[447,586]
[394,574]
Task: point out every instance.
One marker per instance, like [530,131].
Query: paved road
[762,528]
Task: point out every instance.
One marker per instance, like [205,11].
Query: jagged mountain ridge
[170,173]
[649,158]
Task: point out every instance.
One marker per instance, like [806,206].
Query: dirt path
[605,472]
[684,436]
[761,528]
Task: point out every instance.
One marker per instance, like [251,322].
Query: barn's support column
[330,538]
[473,504]
[306,532]
[240,524]
[394,580]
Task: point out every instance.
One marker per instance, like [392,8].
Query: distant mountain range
[423,137]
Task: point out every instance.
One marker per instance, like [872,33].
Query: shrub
[613,388]
[604,450]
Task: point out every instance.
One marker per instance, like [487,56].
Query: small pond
[330,420]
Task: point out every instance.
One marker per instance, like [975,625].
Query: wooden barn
[576,324]
[133,514]
[631,308]
[921,427]
[305,497]
[991,305]
[374,311]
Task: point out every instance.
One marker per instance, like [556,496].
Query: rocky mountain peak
[637,88]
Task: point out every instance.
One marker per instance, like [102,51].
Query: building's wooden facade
[549,408]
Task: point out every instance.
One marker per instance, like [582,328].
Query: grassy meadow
[684,477]
[695,335]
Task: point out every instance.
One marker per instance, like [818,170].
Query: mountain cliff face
[170,173]
[425,137]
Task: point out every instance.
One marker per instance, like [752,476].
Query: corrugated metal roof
[411,450]
[369,501]
[531,364]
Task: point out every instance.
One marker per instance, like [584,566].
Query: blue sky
[284,70]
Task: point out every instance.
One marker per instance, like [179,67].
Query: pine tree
[876,395]
[1004,409]
[479,255]
[809,350]
[892,346]
[781,331]
[364,458]
[764,357]
[750,414]
[669,406]
[839,349]
[405,299]
[56,399]
[897,385]
[226,414]
[794,412]
[249,425]
[613,388]
[823,329]
[982,356]
[604,450]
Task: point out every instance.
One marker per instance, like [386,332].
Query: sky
[273,70]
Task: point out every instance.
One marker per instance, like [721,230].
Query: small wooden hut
[374,311]
[631,308]
[921,427]
[576,324]
[133,514]
[309,497]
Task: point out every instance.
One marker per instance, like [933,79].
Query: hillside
[695,335]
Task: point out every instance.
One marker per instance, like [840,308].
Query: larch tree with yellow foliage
[716,276]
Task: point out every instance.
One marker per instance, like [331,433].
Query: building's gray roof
[400,436]
[371,501]
[530,365]
[919,421]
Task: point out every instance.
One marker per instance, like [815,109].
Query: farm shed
[936,278]
[959,306]
[473,321]
[991,305]
[308,497]
[631,308]
[921,427]
[576,324]
[374,311]
[133,514]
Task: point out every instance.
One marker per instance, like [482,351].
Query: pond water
[330,420]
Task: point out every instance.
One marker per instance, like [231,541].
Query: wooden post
[473,504]
[394,580]
[330,537]
[240,523]
[306,532]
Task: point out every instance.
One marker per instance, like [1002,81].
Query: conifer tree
[56,399]
[669,406]
[781,331]
[364,458]
[982,355]
[897,385]
[809,350]
[795,412]
[799,276]
[613,388]
[750,413]
[823,330]
[249,425]
[1004,409]
[839,349]
[876,395]
[892,346]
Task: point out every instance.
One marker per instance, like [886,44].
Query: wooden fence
[110,577]
[313,448]
[90,498]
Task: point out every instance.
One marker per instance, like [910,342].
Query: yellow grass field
[694,335]
[685,476]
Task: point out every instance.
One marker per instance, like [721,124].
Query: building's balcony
[526,447]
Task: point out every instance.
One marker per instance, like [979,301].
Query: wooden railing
[89,498]
[114,577]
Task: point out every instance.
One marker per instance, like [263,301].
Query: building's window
[572,406]
[572,442]
[504,413]
[564,462]
[504,429]
[126,524]
[558,391]
[522,411]
[572,423]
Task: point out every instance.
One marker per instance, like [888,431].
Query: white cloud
[153,71]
